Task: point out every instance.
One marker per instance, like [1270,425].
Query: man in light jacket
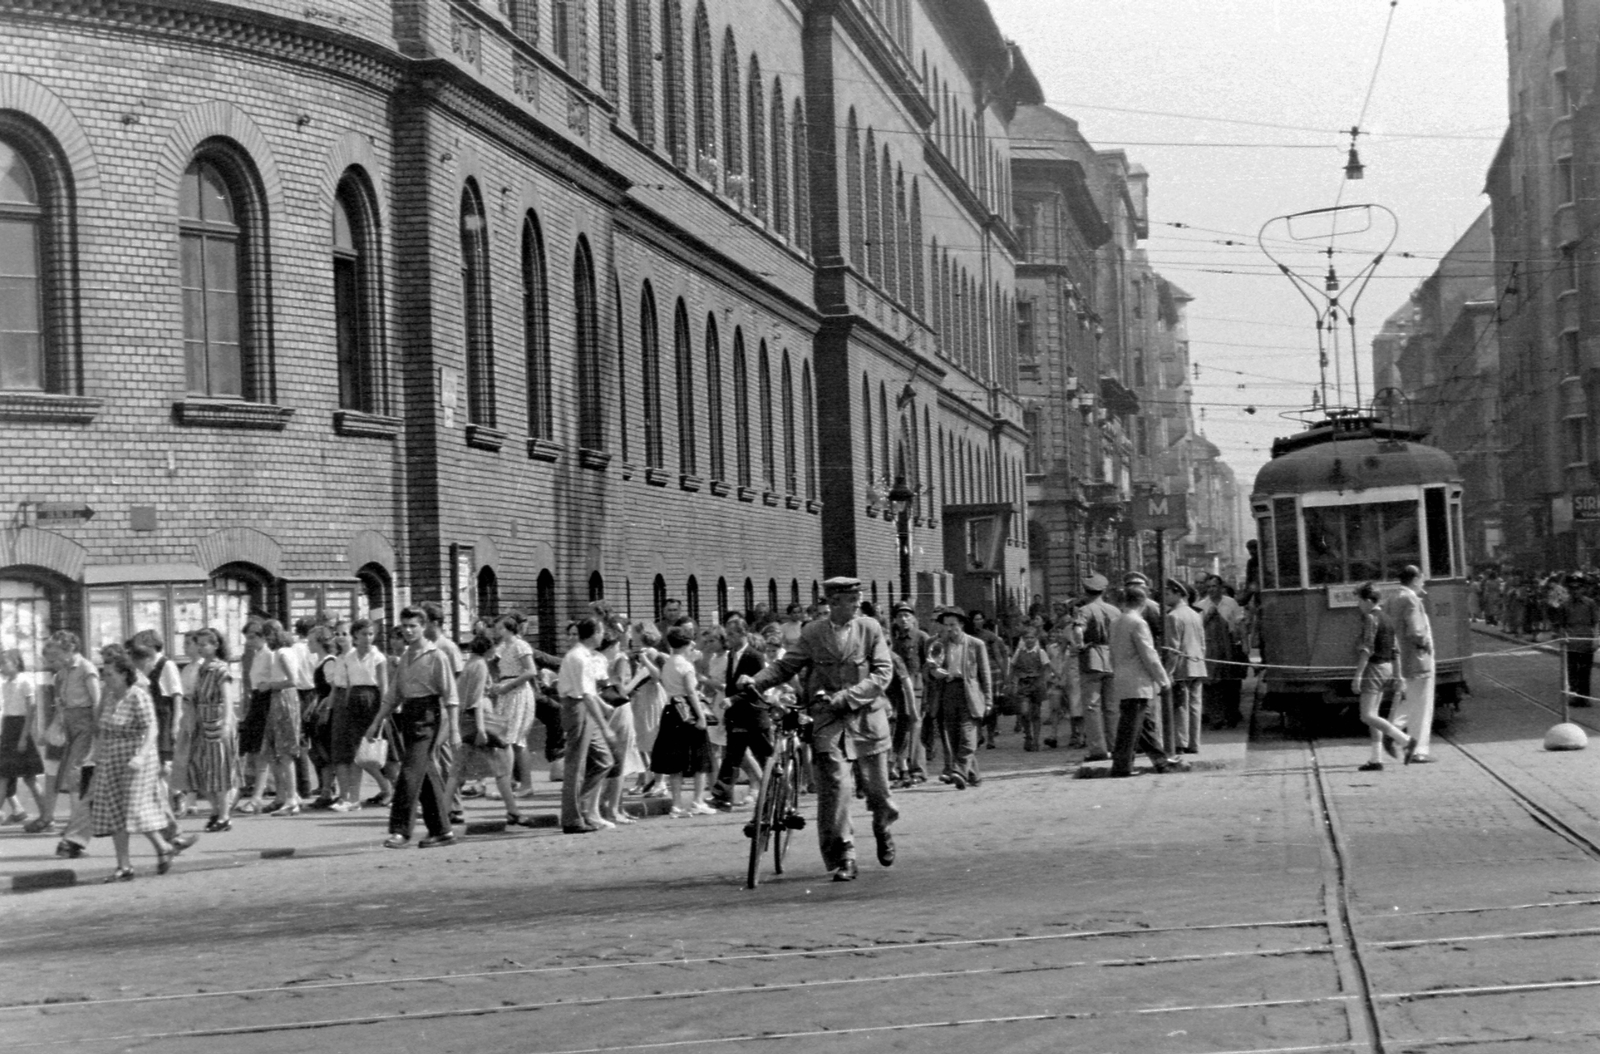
[962,687]
[846,664]
[1185,649]
[1414,632]
[1137,677]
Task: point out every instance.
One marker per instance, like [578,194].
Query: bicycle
[777,814]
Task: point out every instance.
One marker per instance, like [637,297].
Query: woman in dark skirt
[362,674]
[681,746]
[19,745]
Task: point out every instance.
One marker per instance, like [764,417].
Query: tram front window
[1360,543]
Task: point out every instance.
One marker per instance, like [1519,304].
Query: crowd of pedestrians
[1559,605]
[314,717]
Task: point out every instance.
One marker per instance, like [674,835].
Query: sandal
[247,808]
[218,825]
[182,842]
[377,801]
[518,820]
[164,861]
[121,874]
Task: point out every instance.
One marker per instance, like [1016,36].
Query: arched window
[808,426]
[536,329]
[722,599]
[919,306]
[741,409]
[794,591]
[883,431]
[597,586]
[608,48]
[691,598]
[357,303]
[866,429]
[476,308]
[38,268]
[641,73]
[758,137]
[525,20]
[544,608]
[749,596]
[802,181]
[769,464]
[791,468]
[719,467]
[213,232]
[683,362]
[872,215]
[816,591]
[927,456]
[650,377]
[658,596]
[569,35]
[586,320]
[732,126]
[673,88]
[780,161]
[488,593]
[852,194]
[902,242]
[621,380]
[705,104]
[772,595]
[889,233]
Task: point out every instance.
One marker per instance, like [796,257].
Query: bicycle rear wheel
[763,822]
[786,792]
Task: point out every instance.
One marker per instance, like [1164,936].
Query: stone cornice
[198,22]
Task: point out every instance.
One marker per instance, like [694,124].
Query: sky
[1227,69]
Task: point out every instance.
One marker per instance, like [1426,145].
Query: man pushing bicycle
[847,664]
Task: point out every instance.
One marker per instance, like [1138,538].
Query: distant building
[1450,372]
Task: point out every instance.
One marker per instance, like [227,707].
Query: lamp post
[900,499]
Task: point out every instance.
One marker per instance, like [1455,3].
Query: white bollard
[1565,736]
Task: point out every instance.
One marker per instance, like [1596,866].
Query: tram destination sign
[1159,512]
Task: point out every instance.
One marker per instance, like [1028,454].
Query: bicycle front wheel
[786,789]
[763,822]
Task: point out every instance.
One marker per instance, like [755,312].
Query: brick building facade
[324,308]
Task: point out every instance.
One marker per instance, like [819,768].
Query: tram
[1353,499]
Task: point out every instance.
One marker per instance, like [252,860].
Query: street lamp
[900,499]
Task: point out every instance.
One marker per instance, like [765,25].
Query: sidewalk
[28,861]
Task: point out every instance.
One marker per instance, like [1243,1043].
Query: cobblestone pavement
[1185,914]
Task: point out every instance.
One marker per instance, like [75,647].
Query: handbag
[494,727]
[613,696]
[372,753]
[55,735]
[684,711]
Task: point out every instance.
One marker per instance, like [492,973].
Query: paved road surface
[1286,903]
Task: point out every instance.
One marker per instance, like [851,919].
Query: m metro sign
[1160,512]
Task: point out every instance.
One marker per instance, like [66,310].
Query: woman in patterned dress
[214,736]
[513,692]
[127,795]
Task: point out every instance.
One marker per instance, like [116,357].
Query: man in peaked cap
[910,643]
[846,666]
[1092,623]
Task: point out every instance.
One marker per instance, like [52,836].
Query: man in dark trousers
[845,665]
[748,723]
[1578,627]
